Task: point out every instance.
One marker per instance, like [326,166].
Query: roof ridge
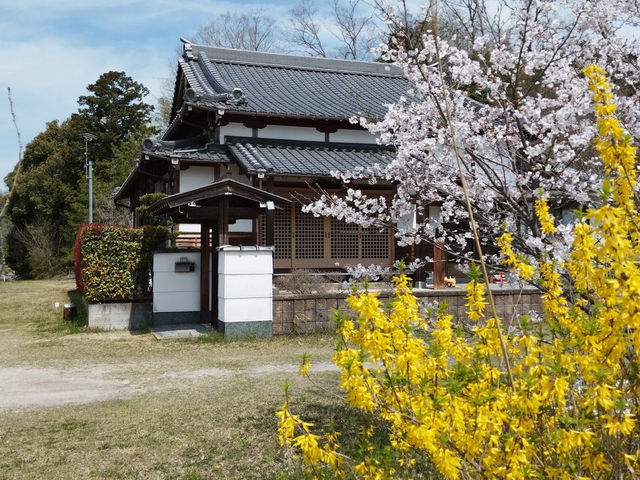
[295,62]
[219,86]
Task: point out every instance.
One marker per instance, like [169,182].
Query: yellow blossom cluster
[567,407]
[545,218]
[475,300]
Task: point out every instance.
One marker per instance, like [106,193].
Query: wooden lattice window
[344,239]
[309,235]
[281,234]
[375,243]
[304,241]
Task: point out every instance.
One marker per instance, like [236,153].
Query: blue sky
[52,49]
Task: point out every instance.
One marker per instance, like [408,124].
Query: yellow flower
[475,300]
[305,365]
[444,394]
[544,217]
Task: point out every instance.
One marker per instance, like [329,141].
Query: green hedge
[105,261]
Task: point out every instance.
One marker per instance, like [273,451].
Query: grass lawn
[196,409]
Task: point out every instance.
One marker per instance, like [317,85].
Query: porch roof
[196,204]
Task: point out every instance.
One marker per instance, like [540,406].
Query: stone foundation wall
[119,316]
[309,313]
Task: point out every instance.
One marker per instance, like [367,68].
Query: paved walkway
[24,388]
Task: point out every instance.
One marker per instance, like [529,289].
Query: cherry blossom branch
[476,237]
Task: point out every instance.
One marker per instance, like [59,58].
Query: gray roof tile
[291,85]
[289,157]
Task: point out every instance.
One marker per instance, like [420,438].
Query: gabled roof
[289,157]
[288,85]
[210,194]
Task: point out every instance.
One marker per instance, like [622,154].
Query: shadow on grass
[360,434]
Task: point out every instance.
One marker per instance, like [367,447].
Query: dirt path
[24,388]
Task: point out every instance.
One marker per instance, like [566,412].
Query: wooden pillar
[223,221]
[205,261]
[270,225]
[214,279]
[222,237]
[439,264]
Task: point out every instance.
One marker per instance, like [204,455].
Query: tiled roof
[288,157]
[208,153]
[288,84]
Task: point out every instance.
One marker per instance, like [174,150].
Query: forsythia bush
[557,398]
[105,259]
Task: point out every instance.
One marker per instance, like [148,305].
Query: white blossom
[531,129]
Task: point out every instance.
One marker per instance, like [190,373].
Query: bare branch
[305,29]
[355,30]
[255,31]
[17,169]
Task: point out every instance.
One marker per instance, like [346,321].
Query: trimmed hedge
[105,260]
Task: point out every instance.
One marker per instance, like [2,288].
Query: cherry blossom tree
[512,105]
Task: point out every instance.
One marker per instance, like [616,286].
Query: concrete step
[185,330]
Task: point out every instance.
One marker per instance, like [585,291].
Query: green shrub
[157,234]
[106,258]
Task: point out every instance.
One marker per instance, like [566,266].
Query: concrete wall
[352,136]
[304,313]
[291,133]
[118,316]
[234,130]
[190,179]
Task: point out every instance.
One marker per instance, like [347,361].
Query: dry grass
[33,332]
[215,430]
[181,426]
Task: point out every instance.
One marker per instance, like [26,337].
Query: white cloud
[46,79]
[51,50]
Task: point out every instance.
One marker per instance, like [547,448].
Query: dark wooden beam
[205,260]
[211,213]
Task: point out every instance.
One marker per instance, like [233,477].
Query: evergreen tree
[52,188]
[113,111]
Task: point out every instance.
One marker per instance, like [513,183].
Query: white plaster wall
[245,292]
[286,132]
[175,291]
[234,130]
[233,171]
[195,177]
[189,227]
[352,136]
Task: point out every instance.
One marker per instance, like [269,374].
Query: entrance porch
[207,285]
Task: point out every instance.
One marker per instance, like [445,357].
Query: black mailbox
[185,266]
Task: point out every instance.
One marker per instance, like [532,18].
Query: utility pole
[88,167]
